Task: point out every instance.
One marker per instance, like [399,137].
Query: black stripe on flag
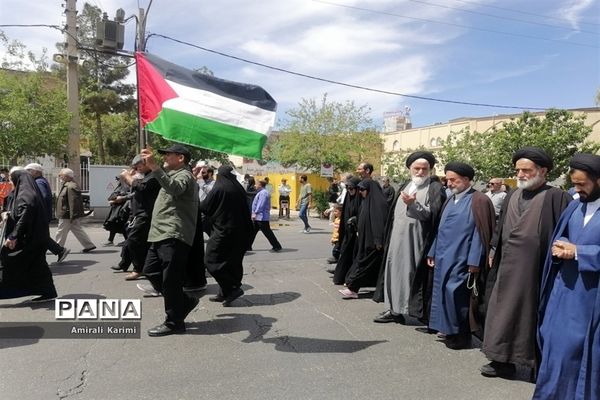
[244,93]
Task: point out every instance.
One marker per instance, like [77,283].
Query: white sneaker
[148,289]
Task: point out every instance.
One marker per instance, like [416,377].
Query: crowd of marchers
[519,269]
[162,209]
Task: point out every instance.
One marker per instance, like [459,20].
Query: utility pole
[73,89]
[141,46]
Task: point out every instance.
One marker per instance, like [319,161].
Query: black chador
[25,270]
[227,206]
[347,229]
[370,237]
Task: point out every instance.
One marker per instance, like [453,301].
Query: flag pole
[142,134]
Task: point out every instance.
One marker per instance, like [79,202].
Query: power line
[341,83]
[454,25]
[521,12]
[80,46]
[502,17]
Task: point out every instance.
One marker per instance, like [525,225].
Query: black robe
[370,238]
[227,207]
[350,209]
[512,297]
[25,268]
[421,282]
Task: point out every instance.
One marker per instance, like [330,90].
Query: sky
[526,54]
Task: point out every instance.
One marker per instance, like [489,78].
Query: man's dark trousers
[165,269]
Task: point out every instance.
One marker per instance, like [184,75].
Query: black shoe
[45,297]
[89,249]
[118,268]
[276,249]
[237,292]
[332,260]
[498,369]
[193,302]
[331,270]
[194,288]
[164,330]
[387,316]
[62,255]
[219,298]
[458,342]
[427,330]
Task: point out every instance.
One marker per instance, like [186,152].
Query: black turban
[589,163]
[535,154]
[461,169]
[420,154]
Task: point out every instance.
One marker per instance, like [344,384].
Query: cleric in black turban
[461,169]
[589,163]
[420,154]
[535,154]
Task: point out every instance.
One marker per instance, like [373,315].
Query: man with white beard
[404,284]
[527,220]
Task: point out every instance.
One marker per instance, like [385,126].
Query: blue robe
[457,245]
[569,316]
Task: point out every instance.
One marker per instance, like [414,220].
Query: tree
[559,132]
[105,98]
[327,132]
[33,116]
[395,164]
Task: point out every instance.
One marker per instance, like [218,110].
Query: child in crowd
[335,235]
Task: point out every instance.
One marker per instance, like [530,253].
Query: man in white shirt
[284,198]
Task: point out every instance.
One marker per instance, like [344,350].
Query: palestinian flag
[203,111]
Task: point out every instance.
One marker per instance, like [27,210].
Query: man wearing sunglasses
[496,194]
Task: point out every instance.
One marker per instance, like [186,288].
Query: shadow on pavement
[97,251]
[255,300]
[8,343]
[284,250]
[71,267]
[82,296]
[256,325]
[295,344]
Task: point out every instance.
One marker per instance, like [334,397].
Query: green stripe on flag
[200,132]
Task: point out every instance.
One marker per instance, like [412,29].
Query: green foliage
[327,132]
[395,164]
[320,202]
[18,58]
[559,132]
[33,116]
[105,97]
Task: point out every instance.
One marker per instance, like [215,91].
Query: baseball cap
[178,149]
[136,160]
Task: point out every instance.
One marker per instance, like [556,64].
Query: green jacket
[176,207]
[69,202]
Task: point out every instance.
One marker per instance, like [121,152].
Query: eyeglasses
[362,189]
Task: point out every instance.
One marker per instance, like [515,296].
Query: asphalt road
[290,337]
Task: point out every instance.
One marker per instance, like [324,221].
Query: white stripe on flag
[209,105]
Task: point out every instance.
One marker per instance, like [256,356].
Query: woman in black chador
[25,271]
[369,240]
[227,208]
[348,226]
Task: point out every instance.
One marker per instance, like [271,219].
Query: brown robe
[522,241]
